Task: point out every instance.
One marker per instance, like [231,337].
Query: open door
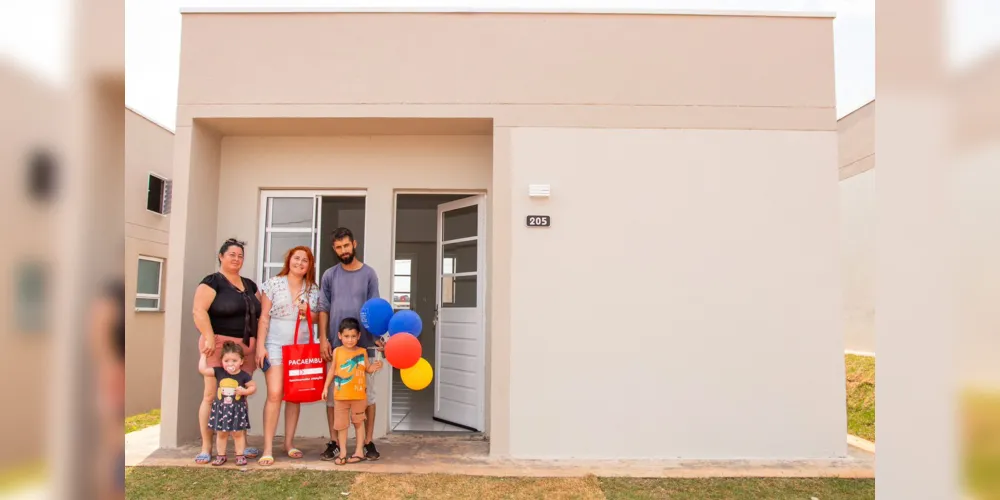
[459,318]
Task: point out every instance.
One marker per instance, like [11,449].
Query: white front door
[460,378]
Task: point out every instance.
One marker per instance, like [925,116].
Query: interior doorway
[438,270]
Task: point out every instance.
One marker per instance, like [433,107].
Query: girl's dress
[284,314]
[229,410]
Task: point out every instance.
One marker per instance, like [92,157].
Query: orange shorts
[348,411]
[249,353]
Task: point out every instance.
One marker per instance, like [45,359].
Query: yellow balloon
[418,376]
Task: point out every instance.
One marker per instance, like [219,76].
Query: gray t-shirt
[341,295]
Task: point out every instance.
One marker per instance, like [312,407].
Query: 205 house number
[539,221]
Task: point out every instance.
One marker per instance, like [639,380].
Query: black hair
[231,242]
[349,324]
[231,347]
[341,233]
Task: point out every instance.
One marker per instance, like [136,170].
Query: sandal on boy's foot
[266,461]
[339,460]
[251,452]
[370,452]
[219,460]
[355,459]
[203,458]
[294,453]
[241,460]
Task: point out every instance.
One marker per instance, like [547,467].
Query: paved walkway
[410,453]
[141,444]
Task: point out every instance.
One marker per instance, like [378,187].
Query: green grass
[860,396]
[738,488]
[141,421]
[199,483]
[22,475]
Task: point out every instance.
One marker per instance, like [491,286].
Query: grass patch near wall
[141,421]
[860,396]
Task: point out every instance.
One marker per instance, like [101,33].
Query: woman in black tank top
[226,307]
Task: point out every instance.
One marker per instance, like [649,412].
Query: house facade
[149,151]
[623,207]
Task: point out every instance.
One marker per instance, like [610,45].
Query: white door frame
[392,270]
[263,219]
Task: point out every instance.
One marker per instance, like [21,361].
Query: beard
[346,258]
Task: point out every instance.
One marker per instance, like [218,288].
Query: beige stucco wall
[148,149]
[594,127]
[856,159]
[686,275]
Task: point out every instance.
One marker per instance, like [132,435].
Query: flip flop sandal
[219,460]
[251,452]
[203,458]
[355,459]
[241,460]
[339,461]
[266,461]
[295,453]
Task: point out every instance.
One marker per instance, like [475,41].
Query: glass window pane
[458,291]
[459,257]
[147,303]
[149,277]
[460,223]
[281,243]
[403,267]
[401,300]
[401,284]
[291,212]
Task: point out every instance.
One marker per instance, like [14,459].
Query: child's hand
[242,391]
[376,366]
[324,394]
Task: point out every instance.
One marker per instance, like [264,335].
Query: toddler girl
[229,409]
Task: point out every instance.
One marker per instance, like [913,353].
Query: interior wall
[717,256]
[424,284]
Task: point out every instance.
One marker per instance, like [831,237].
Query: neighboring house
[856,138]
[628,207]
[975,136]
[148,168]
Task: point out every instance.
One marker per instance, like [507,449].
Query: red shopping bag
[305,370]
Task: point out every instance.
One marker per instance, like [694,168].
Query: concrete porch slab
[469,455]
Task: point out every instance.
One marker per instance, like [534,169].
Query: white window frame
[413,267]
[159,286]
[163,201]
[264,221]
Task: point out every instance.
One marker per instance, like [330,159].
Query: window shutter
[168,191]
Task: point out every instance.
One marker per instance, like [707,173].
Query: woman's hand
[303,305]
[261,354]
[208,345]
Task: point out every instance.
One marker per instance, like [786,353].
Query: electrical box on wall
[539,190]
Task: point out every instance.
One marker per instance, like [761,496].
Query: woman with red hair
[283,301]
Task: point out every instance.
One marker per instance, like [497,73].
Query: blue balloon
[405,321]
[375,315]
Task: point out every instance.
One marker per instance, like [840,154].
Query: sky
[33,33]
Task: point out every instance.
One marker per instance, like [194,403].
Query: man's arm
[372,286]
[325,298]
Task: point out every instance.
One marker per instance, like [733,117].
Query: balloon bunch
[402,349]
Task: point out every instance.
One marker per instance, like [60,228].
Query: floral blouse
[283,306]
